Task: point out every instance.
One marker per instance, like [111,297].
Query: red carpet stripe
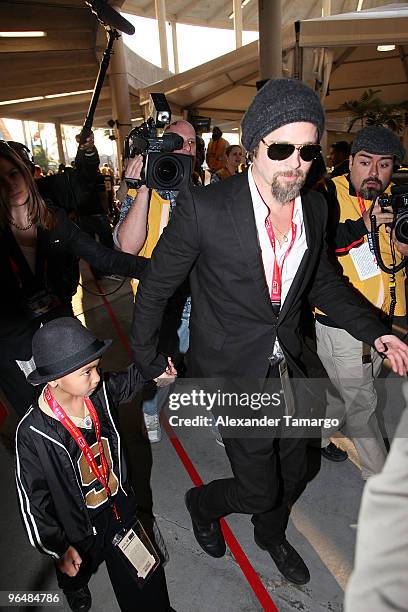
[247,569]
[3,413]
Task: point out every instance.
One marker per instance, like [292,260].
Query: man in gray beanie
[351,366]
[254,249]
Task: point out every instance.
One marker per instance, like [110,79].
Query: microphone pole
[112,21]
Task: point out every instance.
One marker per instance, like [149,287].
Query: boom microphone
[109,17]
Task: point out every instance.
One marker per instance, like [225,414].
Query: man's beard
[370,193]
[285,192]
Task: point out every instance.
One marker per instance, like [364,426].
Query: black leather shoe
[334,453]
[80,600]
[288,561]
[207,533]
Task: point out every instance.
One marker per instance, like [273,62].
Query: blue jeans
[153,406]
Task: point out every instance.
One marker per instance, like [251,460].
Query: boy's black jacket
[51,499]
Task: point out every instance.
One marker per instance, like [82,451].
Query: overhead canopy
[223,88]
[218,13]
[65,60]
[385,25]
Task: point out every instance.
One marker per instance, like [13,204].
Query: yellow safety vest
[375,289]
[157,219]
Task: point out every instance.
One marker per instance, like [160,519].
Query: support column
[161,22]
[60,143]
[27,135]
[175,47]
[270,39]
[326,8]
[119,89]
[237,8]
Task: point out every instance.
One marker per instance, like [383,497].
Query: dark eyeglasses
[282,150]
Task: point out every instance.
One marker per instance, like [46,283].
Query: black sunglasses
[282,150]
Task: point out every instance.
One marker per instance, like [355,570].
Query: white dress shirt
[292,261]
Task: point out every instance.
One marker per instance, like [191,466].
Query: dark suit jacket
[212,233]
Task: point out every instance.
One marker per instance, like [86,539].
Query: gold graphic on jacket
[97,496]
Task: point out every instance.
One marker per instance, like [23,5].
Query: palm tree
[371,110]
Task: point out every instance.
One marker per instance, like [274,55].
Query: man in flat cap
[351,364]
[254,247]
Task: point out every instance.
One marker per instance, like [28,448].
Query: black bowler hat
[62,346]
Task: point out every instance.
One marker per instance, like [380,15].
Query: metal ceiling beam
[367,86]
[404,59]
[54,41]
[222,113]
[45,82]
[187,7]
[221,8]
[342,58]
[53,102]
[51,61]
[224,89]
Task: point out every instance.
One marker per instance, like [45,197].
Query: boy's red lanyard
[64,419]
[276,287]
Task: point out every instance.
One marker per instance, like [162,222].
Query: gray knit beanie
[377,140]
[278,102]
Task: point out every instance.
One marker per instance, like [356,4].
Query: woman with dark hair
[39,252]
[233,158]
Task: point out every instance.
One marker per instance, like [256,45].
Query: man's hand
[89,143]
[168,376]
[395,350]
[134,167]
[380,216]
[70,562]
[400,246]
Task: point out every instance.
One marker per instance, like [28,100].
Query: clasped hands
[168,376]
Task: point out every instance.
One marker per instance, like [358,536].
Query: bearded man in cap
[254,246]
[351,365]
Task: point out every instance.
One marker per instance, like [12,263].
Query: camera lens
[167,171]
[401,227]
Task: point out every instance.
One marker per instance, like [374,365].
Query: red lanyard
[64,419]
[276,287]
[361,203]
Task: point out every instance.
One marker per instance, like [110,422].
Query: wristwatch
[134,183]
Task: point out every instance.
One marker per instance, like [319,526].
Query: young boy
[71,475]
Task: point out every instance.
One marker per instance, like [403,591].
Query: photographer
[143,216]
[352,366]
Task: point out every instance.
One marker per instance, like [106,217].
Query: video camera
[398,202]
[162,169]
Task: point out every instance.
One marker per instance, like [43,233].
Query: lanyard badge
[131,542]
[276,285]
[63,418]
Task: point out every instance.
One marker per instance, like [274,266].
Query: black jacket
[70,189]
[58,252]
[51,499]
[232,326]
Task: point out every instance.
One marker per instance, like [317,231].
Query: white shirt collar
[258,202]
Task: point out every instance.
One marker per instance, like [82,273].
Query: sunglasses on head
[282,150]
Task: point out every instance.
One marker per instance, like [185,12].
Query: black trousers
[153,596]
[269,476]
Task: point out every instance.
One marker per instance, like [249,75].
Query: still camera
[398,202]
